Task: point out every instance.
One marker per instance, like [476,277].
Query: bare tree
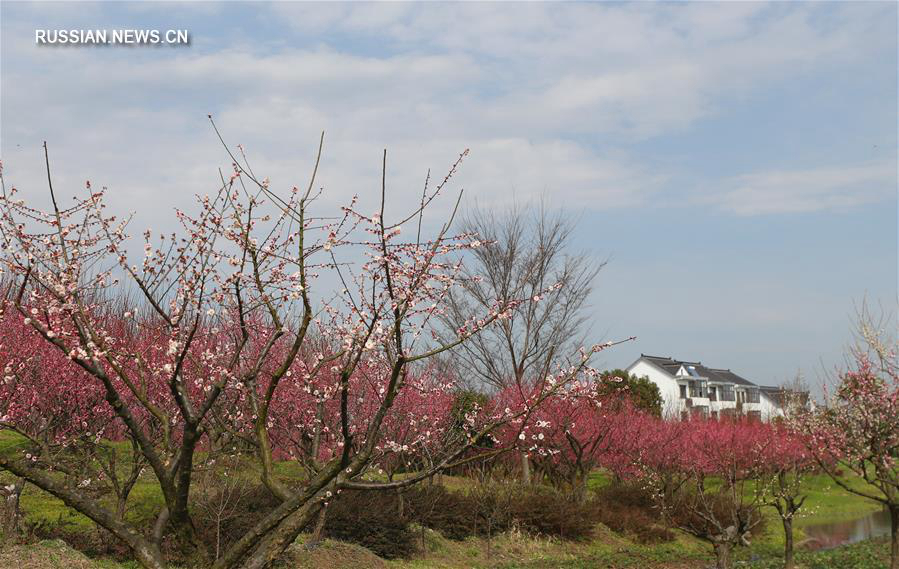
[795,396]
[526,252]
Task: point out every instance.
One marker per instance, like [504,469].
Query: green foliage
[465,402]
[640,391]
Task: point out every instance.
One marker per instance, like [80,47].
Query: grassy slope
[826,502]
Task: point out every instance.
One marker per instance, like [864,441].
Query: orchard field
[275,386]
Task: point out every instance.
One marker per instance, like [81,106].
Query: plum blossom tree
[703,473]
[858,428]
[218,342]
[573,432]
[783,466]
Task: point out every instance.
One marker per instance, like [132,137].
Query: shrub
[628,508]
[227,512]
[372,520]
[489,509]
[453,514]
[631,493]
[545,511]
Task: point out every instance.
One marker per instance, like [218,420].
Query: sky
[735,163]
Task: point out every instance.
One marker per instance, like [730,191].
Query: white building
[692,388]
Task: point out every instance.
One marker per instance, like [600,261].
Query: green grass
[829,502]
[872,554]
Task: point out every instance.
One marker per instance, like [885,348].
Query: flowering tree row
[710,478]
[213,338]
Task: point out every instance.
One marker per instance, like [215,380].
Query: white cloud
[547,96]
[631,71]
[819,189]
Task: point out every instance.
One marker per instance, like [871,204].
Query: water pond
[834,534]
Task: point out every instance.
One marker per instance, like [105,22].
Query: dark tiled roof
[782,395]
[671,365]
[727,376]
[668,364]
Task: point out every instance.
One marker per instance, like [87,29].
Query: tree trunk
[525,469]
[149,556]
[121,505]
[788,543]
[276,540]
[894,536]
[9,524]
[218,536]
[722,555]
[580,486]
[319,527]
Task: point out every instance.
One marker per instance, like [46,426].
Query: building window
[713,394]
[754,415]
[752,395]
[698,389]
[683,391]
[727,393]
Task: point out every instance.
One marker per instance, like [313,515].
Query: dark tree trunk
[121,506]
[579,486]
[401,504]
[319,526]
[276,541]
[788,543]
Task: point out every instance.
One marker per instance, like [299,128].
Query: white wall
[768,408]
[722,405]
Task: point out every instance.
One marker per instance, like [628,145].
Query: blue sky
[735,162]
